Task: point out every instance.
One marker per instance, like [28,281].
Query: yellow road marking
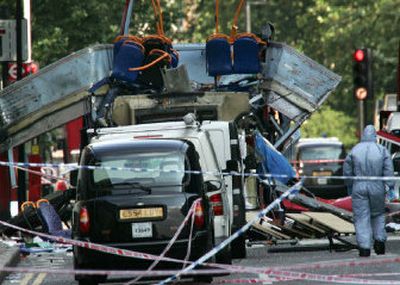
[39,279]
[26,279]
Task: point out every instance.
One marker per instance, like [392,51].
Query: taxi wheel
[87,281]
[224,256]
[211,245]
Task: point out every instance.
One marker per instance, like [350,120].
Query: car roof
[393,122]
[319,141]
[122,145]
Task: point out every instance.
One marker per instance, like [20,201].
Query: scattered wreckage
[148,80]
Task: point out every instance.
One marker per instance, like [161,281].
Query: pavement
[9,256]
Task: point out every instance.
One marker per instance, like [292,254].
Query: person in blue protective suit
[368,158]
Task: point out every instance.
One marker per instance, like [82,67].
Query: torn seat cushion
[151,76]
[130,54]
[157,42]
[51,221]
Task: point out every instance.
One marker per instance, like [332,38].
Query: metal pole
[248,17]
[27,17]
[21,148]
[18,17]
[398,78]
[128,17]
[361,118]
[4,73]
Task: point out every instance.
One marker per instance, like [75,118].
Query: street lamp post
[248,12]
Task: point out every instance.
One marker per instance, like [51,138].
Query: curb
[10,257]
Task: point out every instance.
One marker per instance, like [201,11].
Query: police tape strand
[94,246]
[107,272]
[232,268]
[128,253]
[270,280]
[370,274]
[328,278]
[291,191]
[197,172]
[161,273]
[297,276]
[341,263]
[146,256]
[44,175]
[316,161]
[280,275]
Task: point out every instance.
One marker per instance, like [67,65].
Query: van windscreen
[320,152]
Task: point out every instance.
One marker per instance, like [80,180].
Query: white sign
[12,71]
[142,230]
[26,69]
[8,40]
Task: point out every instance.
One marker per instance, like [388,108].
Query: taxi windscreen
[143,169]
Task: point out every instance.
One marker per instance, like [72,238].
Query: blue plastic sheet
[274,162]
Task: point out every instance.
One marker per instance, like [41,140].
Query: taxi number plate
[322,173]
[141,213]
[142,230]
[322,181]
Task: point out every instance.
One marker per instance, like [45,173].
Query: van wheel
[239,244]
[202,279]
[211,245]
[224,256]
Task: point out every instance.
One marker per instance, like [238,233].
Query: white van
[393,124]
[218,147]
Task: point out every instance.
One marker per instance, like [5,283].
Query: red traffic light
[359,55]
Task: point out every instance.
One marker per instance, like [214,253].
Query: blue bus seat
[120,40]
[218,55]
[51,221]
[246,54]
[174,58]
[129,54]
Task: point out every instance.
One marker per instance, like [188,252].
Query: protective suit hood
[369,134]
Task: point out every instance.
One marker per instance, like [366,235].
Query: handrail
[165,55]
[235,19]
[26,204]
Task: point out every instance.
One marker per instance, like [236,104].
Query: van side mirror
[396,164]
[73,177]
[213,185]
[231,165]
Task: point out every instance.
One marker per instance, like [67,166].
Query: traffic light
[362,72]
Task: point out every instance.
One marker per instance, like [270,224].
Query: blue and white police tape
[273,271]
[197,172]
[35,164]
[44,175]
[114,273]
[291,191]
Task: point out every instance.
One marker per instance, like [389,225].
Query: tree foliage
[331,123]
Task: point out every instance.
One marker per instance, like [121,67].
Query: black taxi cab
[135,197]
